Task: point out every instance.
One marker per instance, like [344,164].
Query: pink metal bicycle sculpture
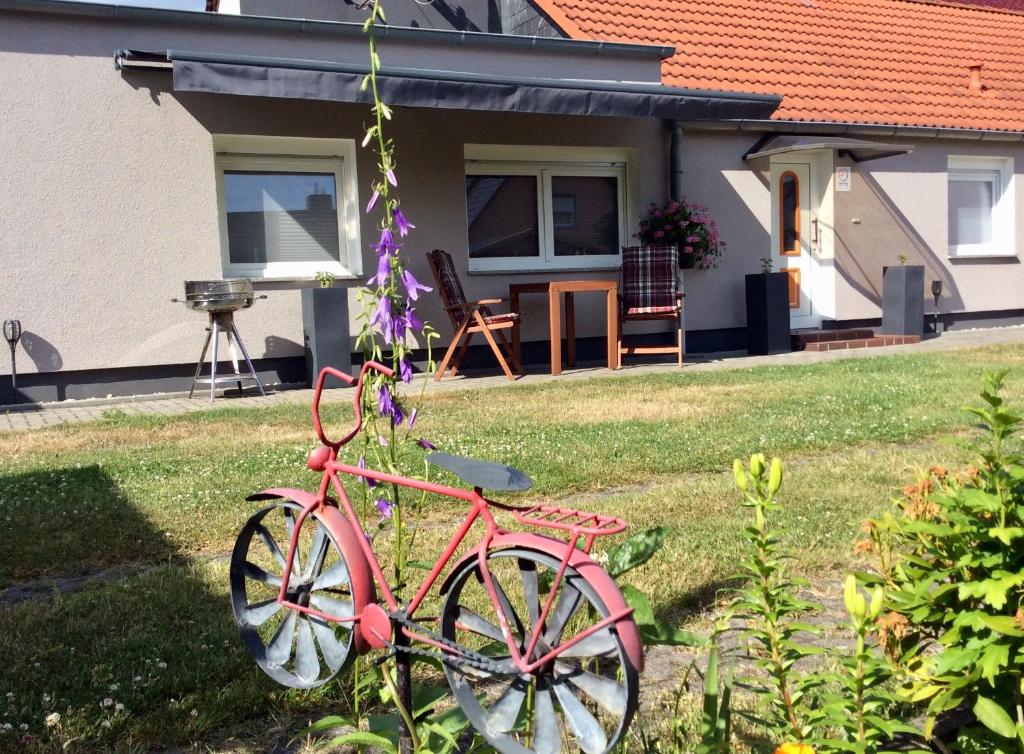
[537,643]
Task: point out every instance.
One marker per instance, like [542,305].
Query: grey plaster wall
[494,16]
[898,205]
[108,200]
[715,175]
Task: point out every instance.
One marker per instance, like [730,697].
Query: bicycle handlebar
[358,400]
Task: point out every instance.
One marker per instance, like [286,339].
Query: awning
[286,78]
[859,150]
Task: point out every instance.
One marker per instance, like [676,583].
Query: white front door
[794,237]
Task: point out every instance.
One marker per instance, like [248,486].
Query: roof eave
[840,128]
[339,28]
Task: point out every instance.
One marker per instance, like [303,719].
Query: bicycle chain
[462,657]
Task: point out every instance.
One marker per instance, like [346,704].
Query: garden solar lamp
[936,293]
[12,334]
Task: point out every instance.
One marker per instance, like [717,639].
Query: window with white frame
[980,207]
[287,206]
[537,208]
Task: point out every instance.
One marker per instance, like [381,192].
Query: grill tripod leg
[199,366]
[248,362]
[234,356]
[213,361]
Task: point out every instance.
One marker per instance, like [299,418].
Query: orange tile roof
[894,62]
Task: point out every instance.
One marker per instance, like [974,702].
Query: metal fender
[583,564]
[363,590]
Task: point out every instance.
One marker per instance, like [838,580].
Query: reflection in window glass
[593,228]
[789,193]
[563,210]
[970,210]
[281,217]
[502,212]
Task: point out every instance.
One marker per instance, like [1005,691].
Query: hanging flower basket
[688,228]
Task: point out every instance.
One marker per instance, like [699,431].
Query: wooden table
[555,290]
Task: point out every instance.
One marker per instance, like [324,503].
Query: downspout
[675,160]
[675,187]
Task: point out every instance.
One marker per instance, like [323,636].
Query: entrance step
[801,339]
[835,340]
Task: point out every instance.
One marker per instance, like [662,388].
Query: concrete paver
[68,412]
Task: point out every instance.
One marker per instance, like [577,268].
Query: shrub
[952,564]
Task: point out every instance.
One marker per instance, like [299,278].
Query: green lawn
[170,493]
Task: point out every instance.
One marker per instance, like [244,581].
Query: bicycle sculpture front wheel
[584,699]
[294,649]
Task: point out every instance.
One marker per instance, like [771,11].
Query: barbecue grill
[220,299]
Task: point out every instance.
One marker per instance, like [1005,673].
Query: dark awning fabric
[859,150]
[339,82]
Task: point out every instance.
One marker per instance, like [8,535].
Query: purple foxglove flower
[404,226]
[412,417]
[391,177]
[426,444]
[382,318]
[405,370]
[371,483]
[412,321]
[385,403]
[398,416]
[383,270]
[412,285]
[373,201]
[385,508]
[386,243]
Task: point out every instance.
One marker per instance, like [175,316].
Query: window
[287,207]
[541,213]
[789,215]
[980,207]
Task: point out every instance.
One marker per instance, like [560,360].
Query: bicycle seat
[483,474]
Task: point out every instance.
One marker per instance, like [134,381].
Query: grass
[169,492]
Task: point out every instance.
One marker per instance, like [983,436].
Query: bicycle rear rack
[579,523]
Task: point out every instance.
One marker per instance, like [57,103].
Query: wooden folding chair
[649,290]
[469,318]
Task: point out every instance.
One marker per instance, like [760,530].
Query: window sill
[990,258]
[298,282]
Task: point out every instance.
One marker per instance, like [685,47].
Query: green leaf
[1003,624]
[364,738]
[1006,534]
[636,550]
[642,612]
[995,657]
[994,717]
[658,633]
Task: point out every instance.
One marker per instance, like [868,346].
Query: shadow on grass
[70,522]
[702,599]
[133,663]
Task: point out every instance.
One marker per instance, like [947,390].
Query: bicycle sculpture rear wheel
[295,650]
[583,700]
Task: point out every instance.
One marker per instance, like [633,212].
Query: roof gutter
[327,28]
[835,128]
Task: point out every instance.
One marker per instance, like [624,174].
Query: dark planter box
[768,313]
[325,331]
[903,300]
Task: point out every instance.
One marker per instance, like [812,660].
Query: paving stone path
[66,412]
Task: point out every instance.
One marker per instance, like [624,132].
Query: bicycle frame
[567,552]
